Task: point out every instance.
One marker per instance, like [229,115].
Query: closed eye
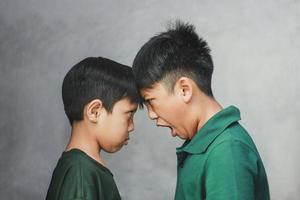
[131,113]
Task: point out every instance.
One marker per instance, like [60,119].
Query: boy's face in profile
[167,109]
[117,125]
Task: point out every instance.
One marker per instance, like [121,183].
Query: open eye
[149,101]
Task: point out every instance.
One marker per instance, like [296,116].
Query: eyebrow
[132,110]
[149,98]
[145,96]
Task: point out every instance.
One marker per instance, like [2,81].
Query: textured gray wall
[255,46]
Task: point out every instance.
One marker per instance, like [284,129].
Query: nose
[152,115]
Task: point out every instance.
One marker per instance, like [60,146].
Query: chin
[183,137]
[113,149]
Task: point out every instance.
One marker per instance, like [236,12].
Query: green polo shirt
[79,177]
[221,162]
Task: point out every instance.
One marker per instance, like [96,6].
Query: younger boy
[100,98]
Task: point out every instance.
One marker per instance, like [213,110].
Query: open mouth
[173,131]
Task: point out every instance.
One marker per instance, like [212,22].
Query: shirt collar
[210,130]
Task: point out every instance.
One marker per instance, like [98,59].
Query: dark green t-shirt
[79,177]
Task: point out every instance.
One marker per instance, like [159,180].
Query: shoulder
[234,154]
[234,144]
[234,137]
[70,178]
[74,166]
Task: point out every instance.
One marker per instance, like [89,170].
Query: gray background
[255,47]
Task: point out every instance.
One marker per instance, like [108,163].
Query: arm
[230,172]
[74,186]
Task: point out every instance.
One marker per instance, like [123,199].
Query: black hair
[97,78]
[171,54]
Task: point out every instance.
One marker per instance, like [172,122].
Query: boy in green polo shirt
[100,98]
[218,159]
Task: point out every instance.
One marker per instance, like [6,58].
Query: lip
[126,141]
[163,125]
[173,131]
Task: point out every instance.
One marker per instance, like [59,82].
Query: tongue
[173,133]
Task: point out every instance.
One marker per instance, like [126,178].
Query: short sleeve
[230,172]
[76,187]
[71,186]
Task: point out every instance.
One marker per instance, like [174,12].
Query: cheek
[172,111]
[119,128]
[115,133]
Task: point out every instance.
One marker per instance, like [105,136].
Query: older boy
[100,98]
[218,160]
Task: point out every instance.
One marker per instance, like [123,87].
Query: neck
[83,139]
[208,107]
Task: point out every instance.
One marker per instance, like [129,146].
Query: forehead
[125,104]
[156,89]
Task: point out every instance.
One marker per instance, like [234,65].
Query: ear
[93,110]
[184,88]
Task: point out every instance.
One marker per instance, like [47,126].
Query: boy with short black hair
[100,98]
[218,159]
